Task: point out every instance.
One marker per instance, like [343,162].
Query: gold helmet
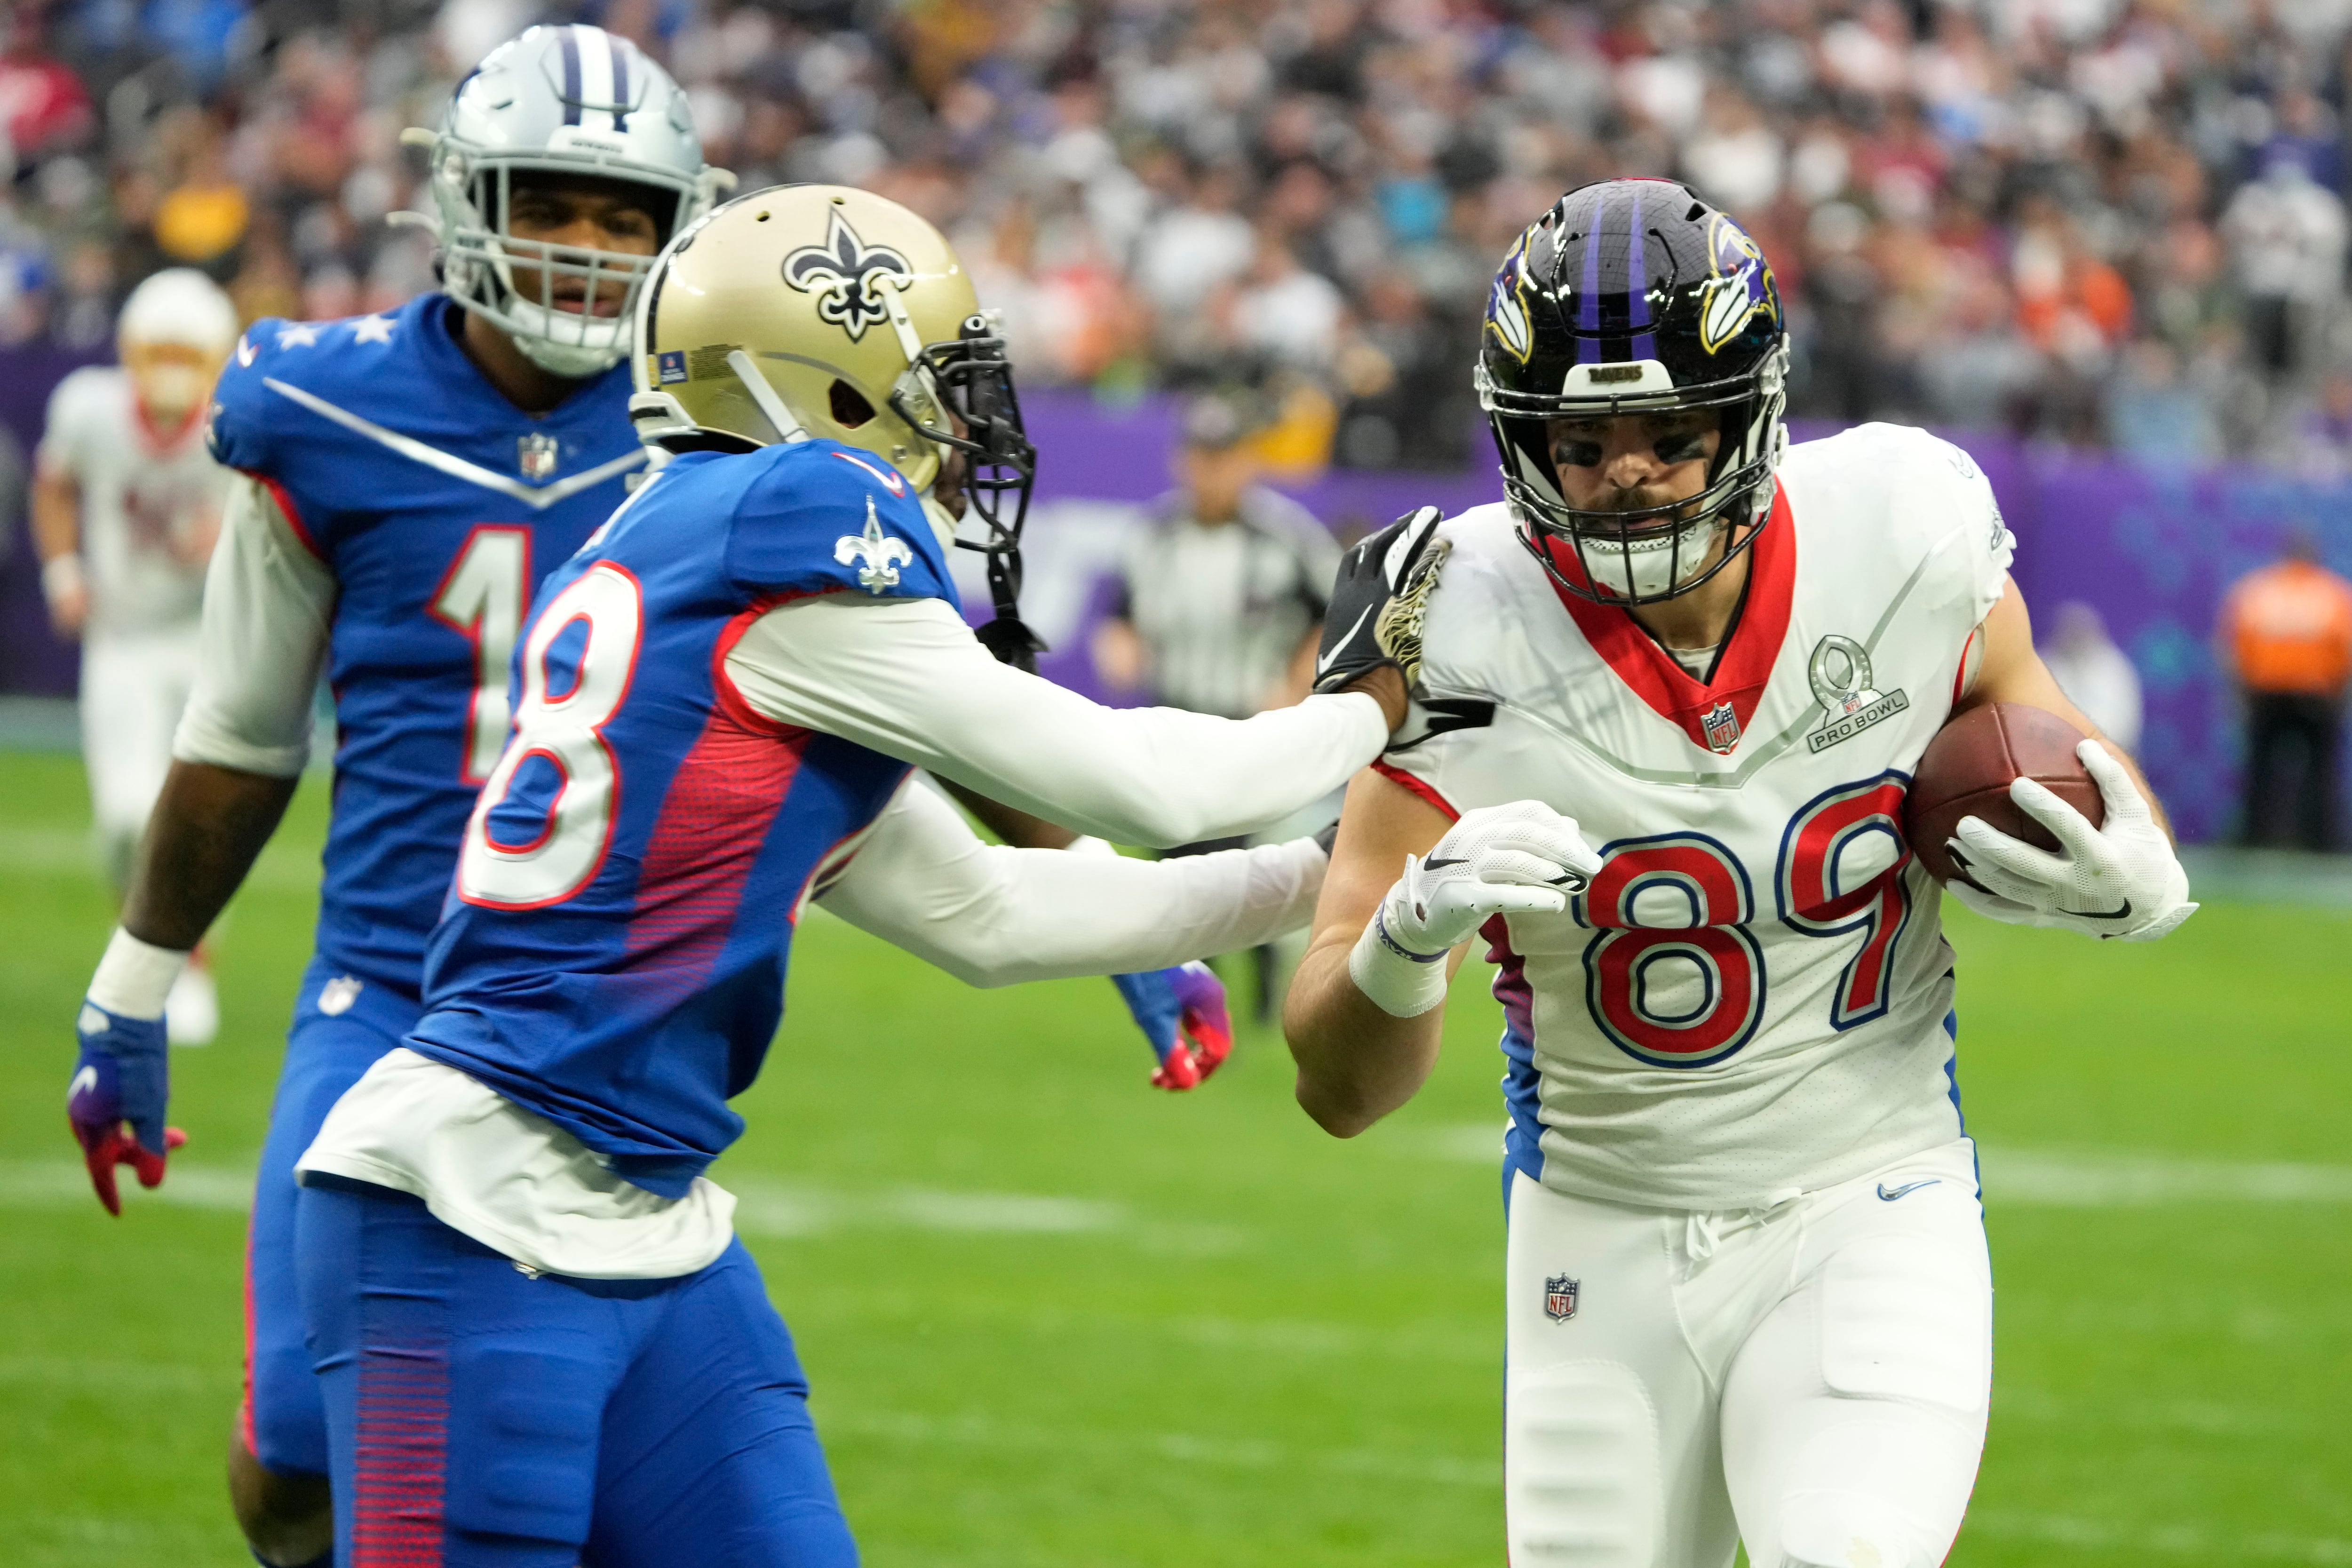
[828,311]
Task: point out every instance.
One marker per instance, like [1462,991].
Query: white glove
[1521,858]
[2121,879]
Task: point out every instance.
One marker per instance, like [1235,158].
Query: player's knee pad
[1580,1469]
[1854,1530]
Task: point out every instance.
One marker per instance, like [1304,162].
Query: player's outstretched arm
[908,679]
[1181,1008]
[2120,880]
[992,915]
[236,758]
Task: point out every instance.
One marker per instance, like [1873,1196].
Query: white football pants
[1810,1378]
[132,688]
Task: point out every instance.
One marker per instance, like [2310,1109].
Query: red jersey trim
[1398,776]
[730,698]
[292,514]
[1744,667]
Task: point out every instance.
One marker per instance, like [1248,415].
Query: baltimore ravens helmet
[1636,296]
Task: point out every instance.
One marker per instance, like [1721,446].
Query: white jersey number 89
[565,728]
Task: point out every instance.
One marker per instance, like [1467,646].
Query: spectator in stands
[1976,209]
[1221,597]
[2285,636]
[2287,235]
[2096,675]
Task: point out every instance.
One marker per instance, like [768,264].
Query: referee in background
[1221,595]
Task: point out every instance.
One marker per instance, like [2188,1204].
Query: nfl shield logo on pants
[1721,726]
[535,456]
[1559,1298]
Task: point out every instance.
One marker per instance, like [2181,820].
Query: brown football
[1967,769]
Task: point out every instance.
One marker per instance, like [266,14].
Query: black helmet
[1636,296]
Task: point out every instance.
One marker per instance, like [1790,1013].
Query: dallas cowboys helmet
[1636,296]
[573,102]
[825,310]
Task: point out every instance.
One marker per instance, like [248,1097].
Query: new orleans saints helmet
[1636,296]
[825,310]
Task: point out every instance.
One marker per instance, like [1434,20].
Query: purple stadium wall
[2151,551]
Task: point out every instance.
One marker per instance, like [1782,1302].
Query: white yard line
[2170,1540]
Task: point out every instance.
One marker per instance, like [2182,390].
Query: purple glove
[123,1075]
[1182,1011]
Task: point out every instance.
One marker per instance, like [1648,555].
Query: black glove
[1378,602]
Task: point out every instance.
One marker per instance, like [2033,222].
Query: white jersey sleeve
[268,602]
[1943,491]
[76,413]
[908,679]
[992,915]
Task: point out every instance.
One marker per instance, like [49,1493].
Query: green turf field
[1055,1319]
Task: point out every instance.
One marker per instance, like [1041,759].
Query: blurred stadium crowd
[2091,221]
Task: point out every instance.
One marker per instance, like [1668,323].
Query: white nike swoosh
[85,1079]
[538,499]
[1323,665]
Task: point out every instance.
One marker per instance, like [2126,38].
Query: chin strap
[1008,636]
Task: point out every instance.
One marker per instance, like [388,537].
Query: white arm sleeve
[267,604]
[991,915]
[908,679]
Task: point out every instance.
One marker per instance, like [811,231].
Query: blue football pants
[281,1421]
[478,1416]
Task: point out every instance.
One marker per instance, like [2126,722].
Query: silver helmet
[566,101]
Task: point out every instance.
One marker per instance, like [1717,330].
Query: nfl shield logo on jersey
[1722,727]
[535,456]
[1559,1298]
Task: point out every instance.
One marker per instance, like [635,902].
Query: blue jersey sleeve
[239,433]
[824,517]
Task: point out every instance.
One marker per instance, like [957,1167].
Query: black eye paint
[1577,453]
[1681,449]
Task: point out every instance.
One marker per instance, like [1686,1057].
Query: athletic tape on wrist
[134,977]
[1394,978]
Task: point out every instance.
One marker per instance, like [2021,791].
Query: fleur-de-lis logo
[844,274]
[880,555]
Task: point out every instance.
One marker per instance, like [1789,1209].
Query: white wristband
[61,575]
[134,977]
[1398,981]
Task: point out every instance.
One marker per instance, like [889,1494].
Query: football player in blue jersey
[407,480]
[517,1279]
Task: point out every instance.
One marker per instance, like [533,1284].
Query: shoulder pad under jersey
[821,517]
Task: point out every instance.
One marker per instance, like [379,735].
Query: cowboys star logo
[846,275]
[880,555]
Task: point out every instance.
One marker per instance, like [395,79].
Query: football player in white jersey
[126,504]
[1669,697]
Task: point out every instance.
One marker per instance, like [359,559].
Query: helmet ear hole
[848,405]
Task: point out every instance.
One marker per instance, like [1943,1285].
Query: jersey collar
[1715,714]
